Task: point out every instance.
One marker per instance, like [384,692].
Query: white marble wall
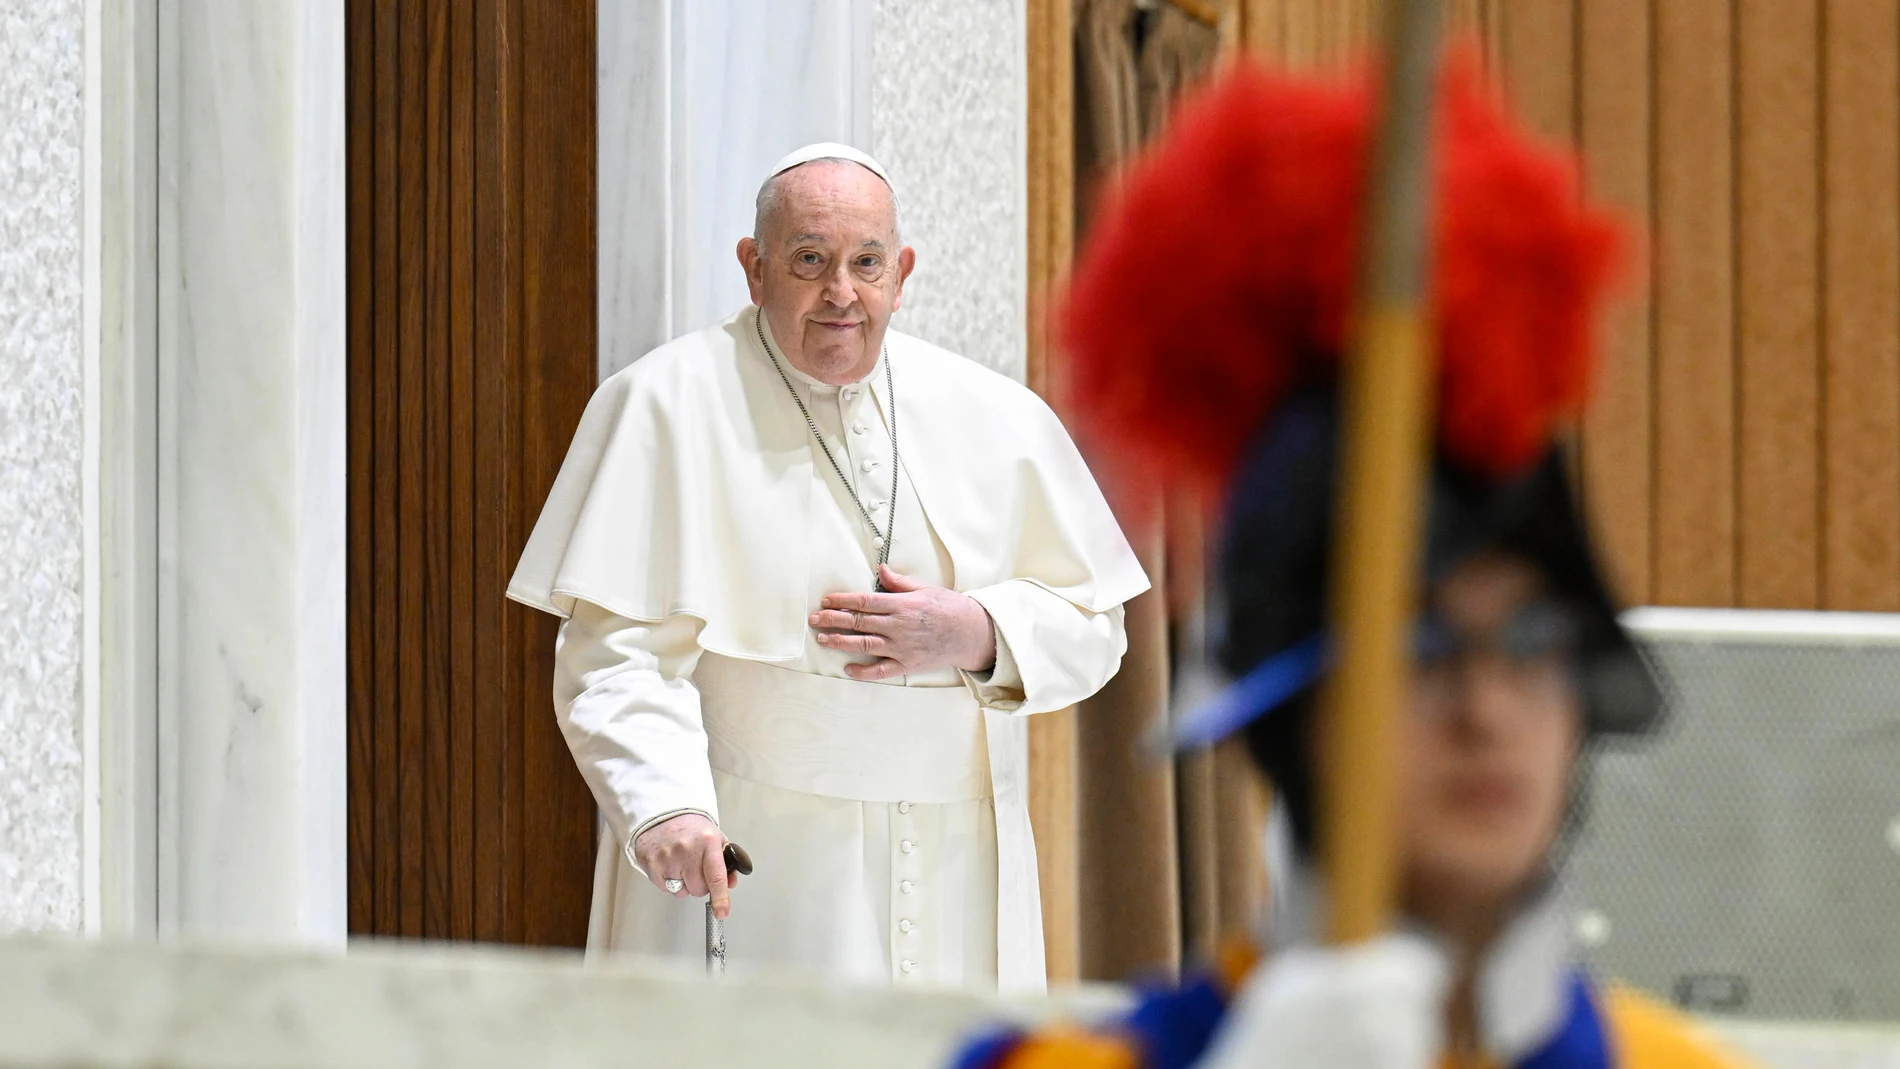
[252,462]
[948,117]
[634,161]
[697,99]
[41,450]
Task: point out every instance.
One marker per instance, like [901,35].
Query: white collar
[1523,989]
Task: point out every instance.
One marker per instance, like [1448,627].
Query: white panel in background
[633,71]
[751,81]
[697,99]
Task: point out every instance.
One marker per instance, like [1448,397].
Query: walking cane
[737,860]
[1387,430]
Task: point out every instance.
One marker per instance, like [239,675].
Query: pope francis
[813,575]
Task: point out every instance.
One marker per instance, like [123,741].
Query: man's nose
[1486,698]
[838,287]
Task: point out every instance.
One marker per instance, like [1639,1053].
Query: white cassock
[693,528]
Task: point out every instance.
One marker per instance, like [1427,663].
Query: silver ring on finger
[674,887]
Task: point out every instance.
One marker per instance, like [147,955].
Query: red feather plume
[1220,274]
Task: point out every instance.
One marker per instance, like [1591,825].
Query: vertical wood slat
[411,446]
[464,580]
[1535,49]
[560,317]
[361,64]
[495,273]
[1257,27]
[1301,37]
[519,623]
[1695,301]
[1861,120]
[1051,208]
[1778,357]
[384,594]
[1614,130]
[431,472]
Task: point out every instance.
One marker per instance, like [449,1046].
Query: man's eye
[808,257]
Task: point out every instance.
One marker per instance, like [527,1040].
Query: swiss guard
[1211,324]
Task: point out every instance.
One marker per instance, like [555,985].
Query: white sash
[868,742]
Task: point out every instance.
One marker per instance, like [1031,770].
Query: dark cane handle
[737,860]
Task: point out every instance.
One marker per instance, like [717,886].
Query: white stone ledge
[384,1007]
[105,1006]
[1796,1045]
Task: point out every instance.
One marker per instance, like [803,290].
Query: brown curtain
[1168,853]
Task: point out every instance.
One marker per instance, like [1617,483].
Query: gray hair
[769,196]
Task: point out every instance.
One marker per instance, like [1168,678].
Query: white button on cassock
[903,807]
[858,428]
[869,465]
[906,887]
[907,846]
[905,926]
[909,965]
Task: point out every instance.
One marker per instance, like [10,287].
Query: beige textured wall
[41,131]
[947,120]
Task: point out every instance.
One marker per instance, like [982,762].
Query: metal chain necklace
[882,539]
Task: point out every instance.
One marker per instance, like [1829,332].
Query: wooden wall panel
[1695,304]
[1778,366]
[1052,736]
[1535,42]
[1744,446]
[472,240]
[1613,128]
[1861,306]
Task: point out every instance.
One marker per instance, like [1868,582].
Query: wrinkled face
[827,270]
[1491,739]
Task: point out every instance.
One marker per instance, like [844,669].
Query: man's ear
[906,263]
[752,262]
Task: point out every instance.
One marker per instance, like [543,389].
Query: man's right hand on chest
[688,849]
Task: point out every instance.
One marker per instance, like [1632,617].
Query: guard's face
[1490,741]
[829,272]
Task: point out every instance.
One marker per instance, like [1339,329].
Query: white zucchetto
[825,150]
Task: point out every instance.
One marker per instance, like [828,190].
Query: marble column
[251,470]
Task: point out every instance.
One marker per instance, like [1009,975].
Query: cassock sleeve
[1050,652]
[624,695]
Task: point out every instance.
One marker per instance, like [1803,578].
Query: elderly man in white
[814,573]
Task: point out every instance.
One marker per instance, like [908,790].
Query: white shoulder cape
[689,483]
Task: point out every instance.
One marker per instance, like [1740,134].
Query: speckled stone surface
[41,134]
[947,118]
[388,1008]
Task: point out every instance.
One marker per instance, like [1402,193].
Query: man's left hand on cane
[909,627]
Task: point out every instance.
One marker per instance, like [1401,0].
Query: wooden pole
[1384,469]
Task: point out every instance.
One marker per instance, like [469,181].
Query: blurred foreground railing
[79,1005]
